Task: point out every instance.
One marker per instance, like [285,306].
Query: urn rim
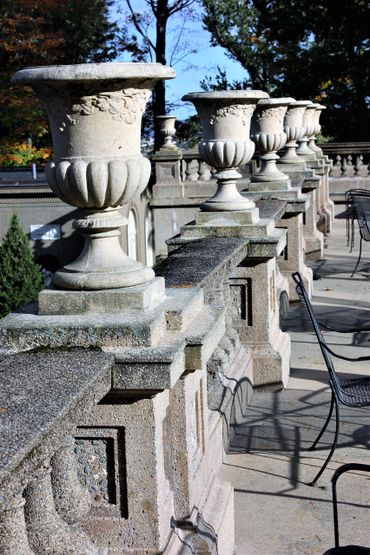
[300,104]
[267,102]
[93,72]
[234,95]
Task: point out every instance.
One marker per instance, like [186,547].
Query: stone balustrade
[348,159]
[350,167]
[43,399]
[120,385]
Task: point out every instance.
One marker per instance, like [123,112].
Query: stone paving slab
[277,512]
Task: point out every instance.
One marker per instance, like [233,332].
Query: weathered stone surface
[38,390]
[53,301]
[21,332]
[194,262]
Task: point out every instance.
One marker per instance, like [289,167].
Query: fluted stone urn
[267,132]
[167,130]
[316,122]
[309,127]
[295,130]
[95,113]
[225,118]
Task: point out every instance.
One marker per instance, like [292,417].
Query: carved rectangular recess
[167,171]
[101,468]
[241,296]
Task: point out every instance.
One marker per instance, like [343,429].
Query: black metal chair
[347,549]
[357,207]
[361,208]
[352,392]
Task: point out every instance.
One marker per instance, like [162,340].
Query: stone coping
[38,390]
[271,208]
[196,261]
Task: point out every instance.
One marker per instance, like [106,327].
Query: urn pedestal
[95,113]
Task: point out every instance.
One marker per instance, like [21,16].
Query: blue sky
[192,67]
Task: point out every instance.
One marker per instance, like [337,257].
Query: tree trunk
[159,93]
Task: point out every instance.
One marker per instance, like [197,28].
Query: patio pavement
[277,512]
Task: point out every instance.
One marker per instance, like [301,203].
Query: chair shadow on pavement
[287,423]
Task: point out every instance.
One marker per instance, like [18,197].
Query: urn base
[227,197]
[103,301]
[133,274]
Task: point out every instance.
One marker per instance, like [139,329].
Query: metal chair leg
[332,447]
[359,258]
[341,470]
[324,426]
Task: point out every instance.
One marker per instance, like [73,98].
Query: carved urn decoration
[316,122]
[167,130]
[309,126]
[268,134]
[226,117]
[95,113]
[295,130]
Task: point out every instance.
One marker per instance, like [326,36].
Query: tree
[302,49]
[46,32]
[159,12]
[20,277]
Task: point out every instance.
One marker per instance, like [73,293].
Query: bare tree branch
[138,27]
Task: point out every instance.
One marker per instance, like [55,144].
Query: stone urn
[225,118]
[95,113]
[316,121]
[267,132]
[167,130]
[309,126]
[295,130]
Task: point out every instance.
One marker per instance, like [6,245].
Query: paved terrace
[277,513]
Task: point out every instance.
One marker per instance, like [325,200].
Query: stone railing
[193,168]
[42,400]
[349,159]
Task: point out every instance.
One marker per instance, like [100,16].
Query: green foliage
[22,155]
[219,82]
[304,49]
[20,277]
[188,132]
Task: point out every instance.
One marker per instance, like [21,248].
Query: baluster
[47,531]
[204,172]
[13,533]
[350,171]
[360,167]
[344,167]
[192,172]
[336,169]
[72,500]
